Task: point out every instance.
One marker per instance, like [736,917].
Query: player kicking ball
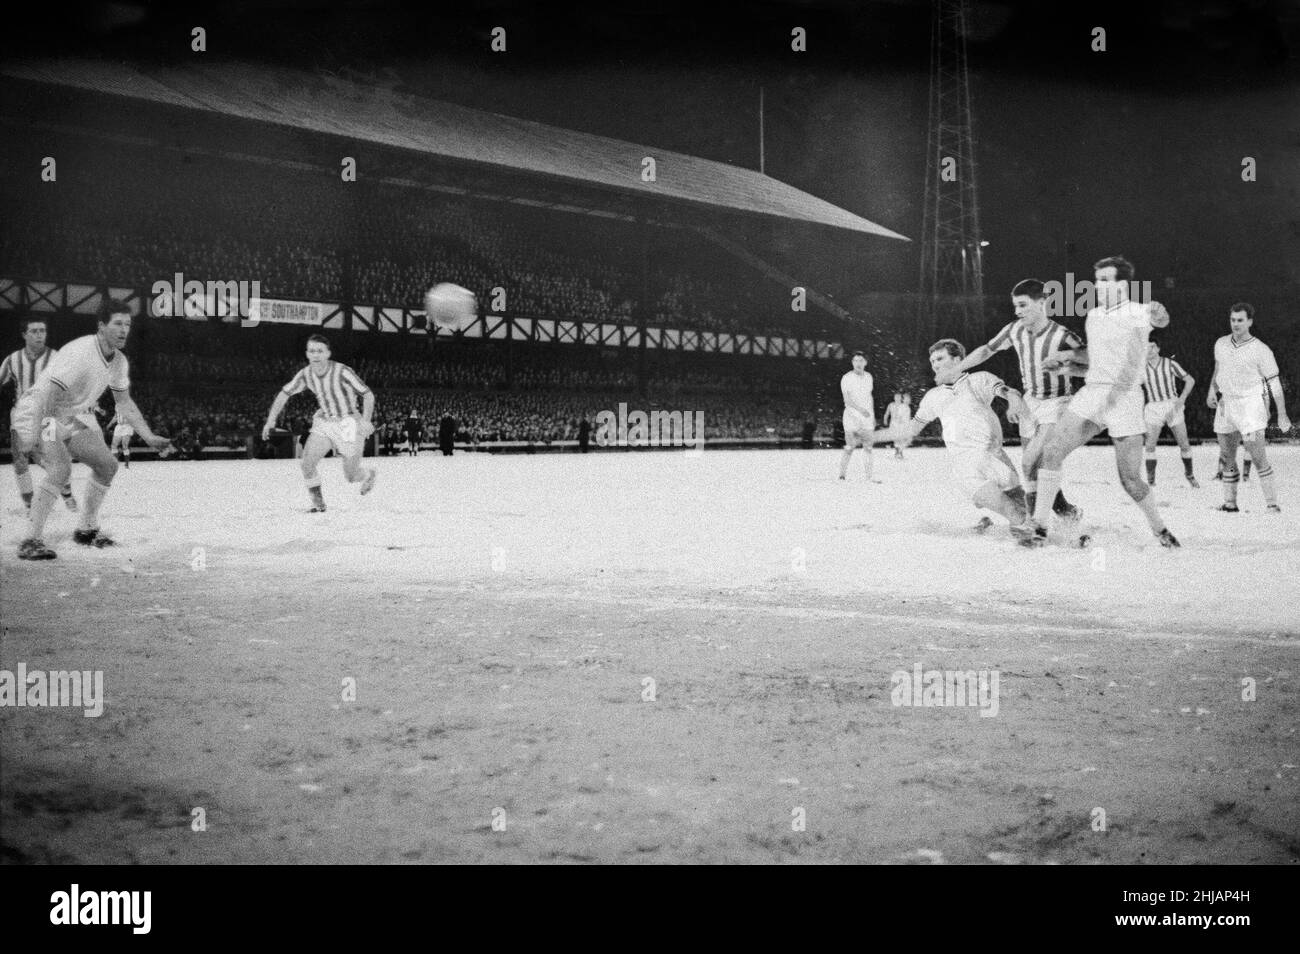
[1117,330]
[1245,372]
[962,403]
[338,424]
[56,416]
[859,414]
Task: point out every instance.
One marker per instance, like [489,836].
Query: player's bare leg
[88,446]
[356,473]
[1185,452]
[1009,504]
[868,457]
[22,470]
[1153,439]
[1031,460]
[313,452]
[57,462]
[1128,461]
[1070,433]
[1257,448]
[845,456]
[1228,462]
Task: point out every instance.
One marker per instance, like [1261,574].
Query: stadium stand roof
[366,113]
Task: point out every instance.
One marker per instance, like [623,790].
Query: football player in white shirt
[859,413]
[57,415]
[898,419]
[961,401]
[23,368]
[1111,396]
[338,423]
[1245,373]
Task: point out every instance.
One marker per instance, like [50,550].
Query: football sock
[1268,484]
[94,496]
[1031,495]
[1049,484]
[1187,463]
[1151,468]
[42,502]
[1230,487]
[1245,467]
[844,462]
[1148,507]
[25,484]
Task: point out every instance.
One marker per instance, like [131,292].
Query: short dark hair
[1031,287]
[1123,267]
[32,320]
[110,307]
[950,345]
[321,339]
[858,354]
[1245,306]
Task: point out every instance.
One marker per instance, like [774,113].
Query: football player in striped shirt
[1050,356]
[1111,397]
[23,367]
[1245,372]
[339,424]
[1164,408]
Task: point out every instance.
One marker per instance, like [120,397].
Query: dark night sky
[1137,149]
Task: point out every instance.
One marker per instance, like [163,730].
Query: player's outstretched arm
[975,358]
[885,435]
[129,412]
[1275,385]
[273,415]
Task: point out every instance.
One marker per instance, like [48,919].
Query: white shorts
[1117,410]
[973,467]
[1043,412]
[123,432]
[1162,413]
[1242,415]
[346,435]
[857,425]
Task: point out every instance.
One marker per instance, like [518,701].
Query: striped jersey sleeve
[1002,340]
[297,385]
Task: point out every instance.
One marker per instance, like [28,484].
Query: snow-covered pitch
[656,656]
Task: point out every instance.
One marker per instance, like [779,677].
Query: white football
[450,306]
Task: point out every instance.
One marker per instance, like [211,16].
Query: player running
[338,424]
[1051,355]
[57,416]
[1111,397]
[1164,408]
[122,434]
[859,413]
[898,419]
[1245,372]
[23,367]
[962,401]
